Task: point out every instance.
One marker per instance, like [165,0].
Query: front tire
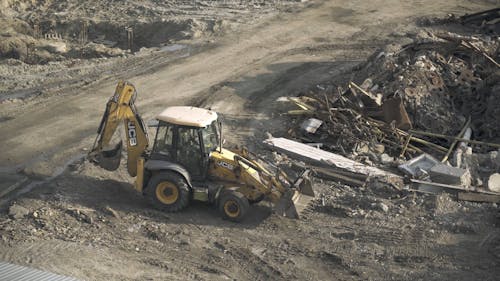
[233,205]
[168,191]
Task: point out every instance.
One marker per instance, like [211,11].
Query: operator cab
[186,136]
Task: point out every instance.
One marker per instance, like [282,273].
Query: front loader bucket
[293,203]
[109,159]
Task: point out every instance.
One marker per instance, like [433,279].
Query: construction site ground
[64,215]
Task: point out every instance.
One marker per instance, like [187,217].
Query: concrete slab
[317,156]
[442,173]
[413,167]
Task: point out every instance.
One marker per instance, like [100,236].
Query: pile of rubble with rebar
[429,108]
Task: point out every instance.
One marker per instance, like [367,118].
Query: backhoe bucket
[109,159]
[293,203]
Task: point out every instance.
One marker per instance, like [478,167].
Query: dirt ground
[78,220]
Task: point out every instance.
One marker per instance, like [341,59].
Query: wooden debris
[475,48]
[496,145]
[479,197]
[482,16]
[405,147]
[460,135]
[439,185]
[358,120]
[376,98]
[346,127]
[394,111]
[330,174]
[467,43]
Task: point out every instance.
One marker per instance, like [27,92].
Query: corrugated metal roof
[13,272]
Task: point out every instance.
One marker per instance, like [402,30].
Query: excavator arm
[120,108]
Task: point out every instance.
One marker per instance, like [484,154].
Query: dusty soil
[96,228]
[47,45]
[84,222]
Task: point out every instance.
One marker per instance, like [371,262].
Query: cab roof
[187,116]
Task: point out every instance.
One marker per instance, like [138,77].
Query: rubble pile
[443,79]
[485,22]
[432,102]
[425,92]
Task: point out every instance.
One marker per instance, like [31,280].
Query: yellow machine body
[228,170]
[250,178]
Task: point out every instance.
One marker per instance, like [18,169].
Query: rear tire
[168,191]
[233,205]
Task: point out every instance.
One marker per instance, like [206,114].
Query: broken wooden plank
[428,144]
[456,187]
[475,48]
[460,135]
[478,197]
[405,147]
[299,112]
[331,175]
[441,185]
[376,98]
[496,145]
[326,171]
[482,16]
[317,156]
[421,191]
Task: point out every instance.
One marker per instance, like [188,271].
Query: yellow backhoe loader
[187,161]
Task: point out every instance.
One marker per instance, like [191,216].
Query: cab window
[164,140]
[188,150]
[210,140]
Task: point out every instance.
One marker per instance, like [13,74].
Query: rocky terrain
[60,213]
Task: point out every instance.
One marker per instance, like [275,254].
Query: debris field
[402,136]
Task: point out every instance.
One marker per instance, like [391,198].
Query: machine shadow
[259,91]
[101,194]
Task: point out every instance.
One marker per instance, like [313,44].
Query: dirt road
[239,74]
[268,59]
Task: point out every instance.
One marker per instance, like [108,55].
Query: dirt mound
[56,41]
[62,42]
[91,29]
